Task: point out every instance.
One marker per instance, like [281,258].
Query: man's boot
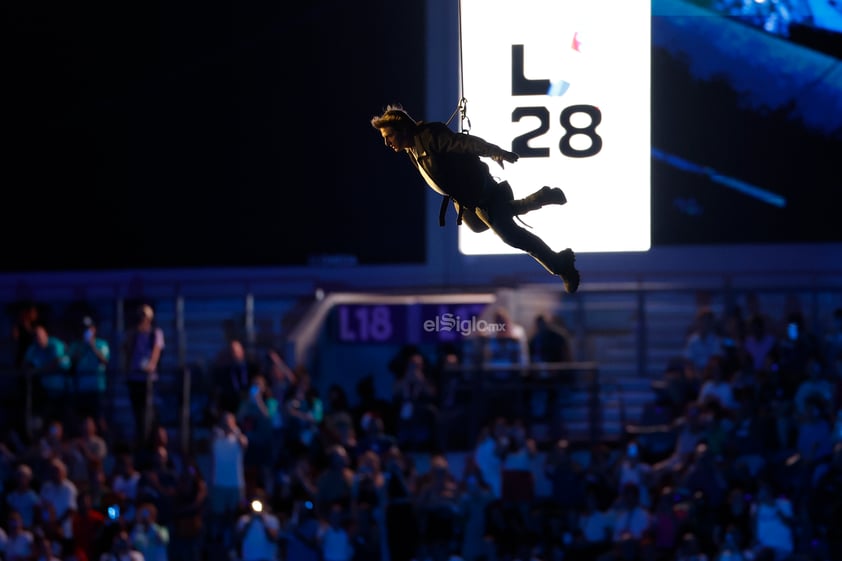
[562,264]
[544,196]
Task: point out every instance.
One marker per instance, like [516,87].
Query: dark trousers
[141,398]
[498,213]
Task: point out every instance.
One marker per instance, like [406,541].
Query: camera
[792,331]
[256,506]
[113,512]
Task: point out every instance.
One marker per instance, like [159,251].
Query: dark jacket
[451,159]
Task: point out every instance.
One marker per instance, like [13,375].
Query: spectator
[232,373]
[22,498]
[58,502]
[143,345]
[334,538]
[46,361]
[717,386]
[704,341]
[334,485]
[258,531]
[414,407]
[772,519]
[90,356]
[258,416]
[188,515]
[150,538]
[16,543]
[227,480]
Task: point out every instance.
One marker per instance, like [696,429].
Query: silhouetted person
[450,164]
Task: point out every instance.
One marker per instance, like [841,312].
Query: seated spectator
[334,538]
[438,503]
[717,385]
[22,498]
[258,531]
[760,342]
[16,542]
[629,522]
[567,480]
[815,387]
[149,537]
[474,500]
[704,341]
[772,519]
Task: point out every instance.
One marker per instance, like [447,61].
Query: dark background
[221,134]
[226,134]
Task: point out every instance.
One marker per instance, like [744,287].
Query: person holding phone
[89,357]
[150,538]
[259,531]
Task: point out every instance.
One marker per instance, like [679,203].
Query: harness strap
[445,201]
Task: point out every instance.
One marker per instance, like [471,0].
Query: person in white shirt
[259,532]
[227,479]
[17,544]
[58,497]
[772,519]
[23,498]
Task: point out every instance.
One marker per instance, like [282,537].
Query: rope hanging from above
[462,106]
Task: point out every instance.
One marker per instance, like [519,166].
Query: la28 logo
[520,144]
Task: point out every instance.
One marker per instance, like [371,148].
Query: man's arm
[442,139]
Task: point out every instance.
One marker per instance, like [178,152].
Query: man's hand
[504,156]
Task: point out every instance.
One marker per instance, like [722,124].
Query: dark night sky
[208,135]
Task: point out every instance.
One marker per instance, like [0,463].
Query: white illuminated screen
[574,53]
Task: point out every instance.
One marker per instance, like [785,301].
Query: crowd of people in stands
[738,457]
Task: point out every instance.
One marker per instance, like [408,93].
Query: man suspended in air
[450,164]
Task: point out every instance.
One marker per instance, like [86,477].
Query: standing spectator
[258,416]
[89,357]
[23,330]
[227,481]
[143,346]
[46,361]
[232,373]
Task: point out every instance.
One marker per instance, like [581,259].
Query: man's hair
[393,116]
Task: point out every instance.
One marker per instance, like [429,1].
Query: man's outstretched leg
[561,263]
[541,197]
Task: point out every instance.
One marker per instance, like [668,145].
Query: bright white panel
[524,63]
